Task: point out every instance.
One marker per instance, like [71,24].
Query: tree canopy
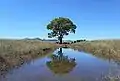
[61,26]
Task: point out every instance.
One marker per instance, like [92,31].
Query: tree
[60,27]
[61,64]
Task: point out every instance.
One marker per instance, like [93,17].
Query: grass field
[107,49]
[103,48]
[16,52]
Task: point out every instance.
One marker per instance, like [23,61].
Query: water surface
[62,65]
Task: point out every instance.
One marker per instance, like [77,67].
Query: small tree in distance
[60,27]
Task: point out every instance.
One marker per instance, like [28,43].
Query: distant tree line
[56,41]
[79,41]
[71,42]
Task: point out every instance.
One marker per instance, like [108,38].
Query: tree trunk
[60,40]
[60,50]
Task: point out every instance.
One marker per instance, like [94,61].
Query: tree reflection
[61,64]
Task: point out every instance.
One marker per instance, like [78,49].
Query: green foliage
[60,27]
[61,64]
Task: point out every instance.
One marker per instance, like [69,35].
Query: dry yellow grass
[16,52]
[104,48]
[22,46]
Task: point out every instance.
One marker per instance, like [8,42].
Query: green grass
[104,48]
[16,52]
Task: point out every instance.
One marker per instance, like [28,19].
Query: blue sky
[95,19]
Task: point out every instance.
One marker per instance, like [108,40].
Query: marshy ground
[13,53]
[107,49]
[103,48]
